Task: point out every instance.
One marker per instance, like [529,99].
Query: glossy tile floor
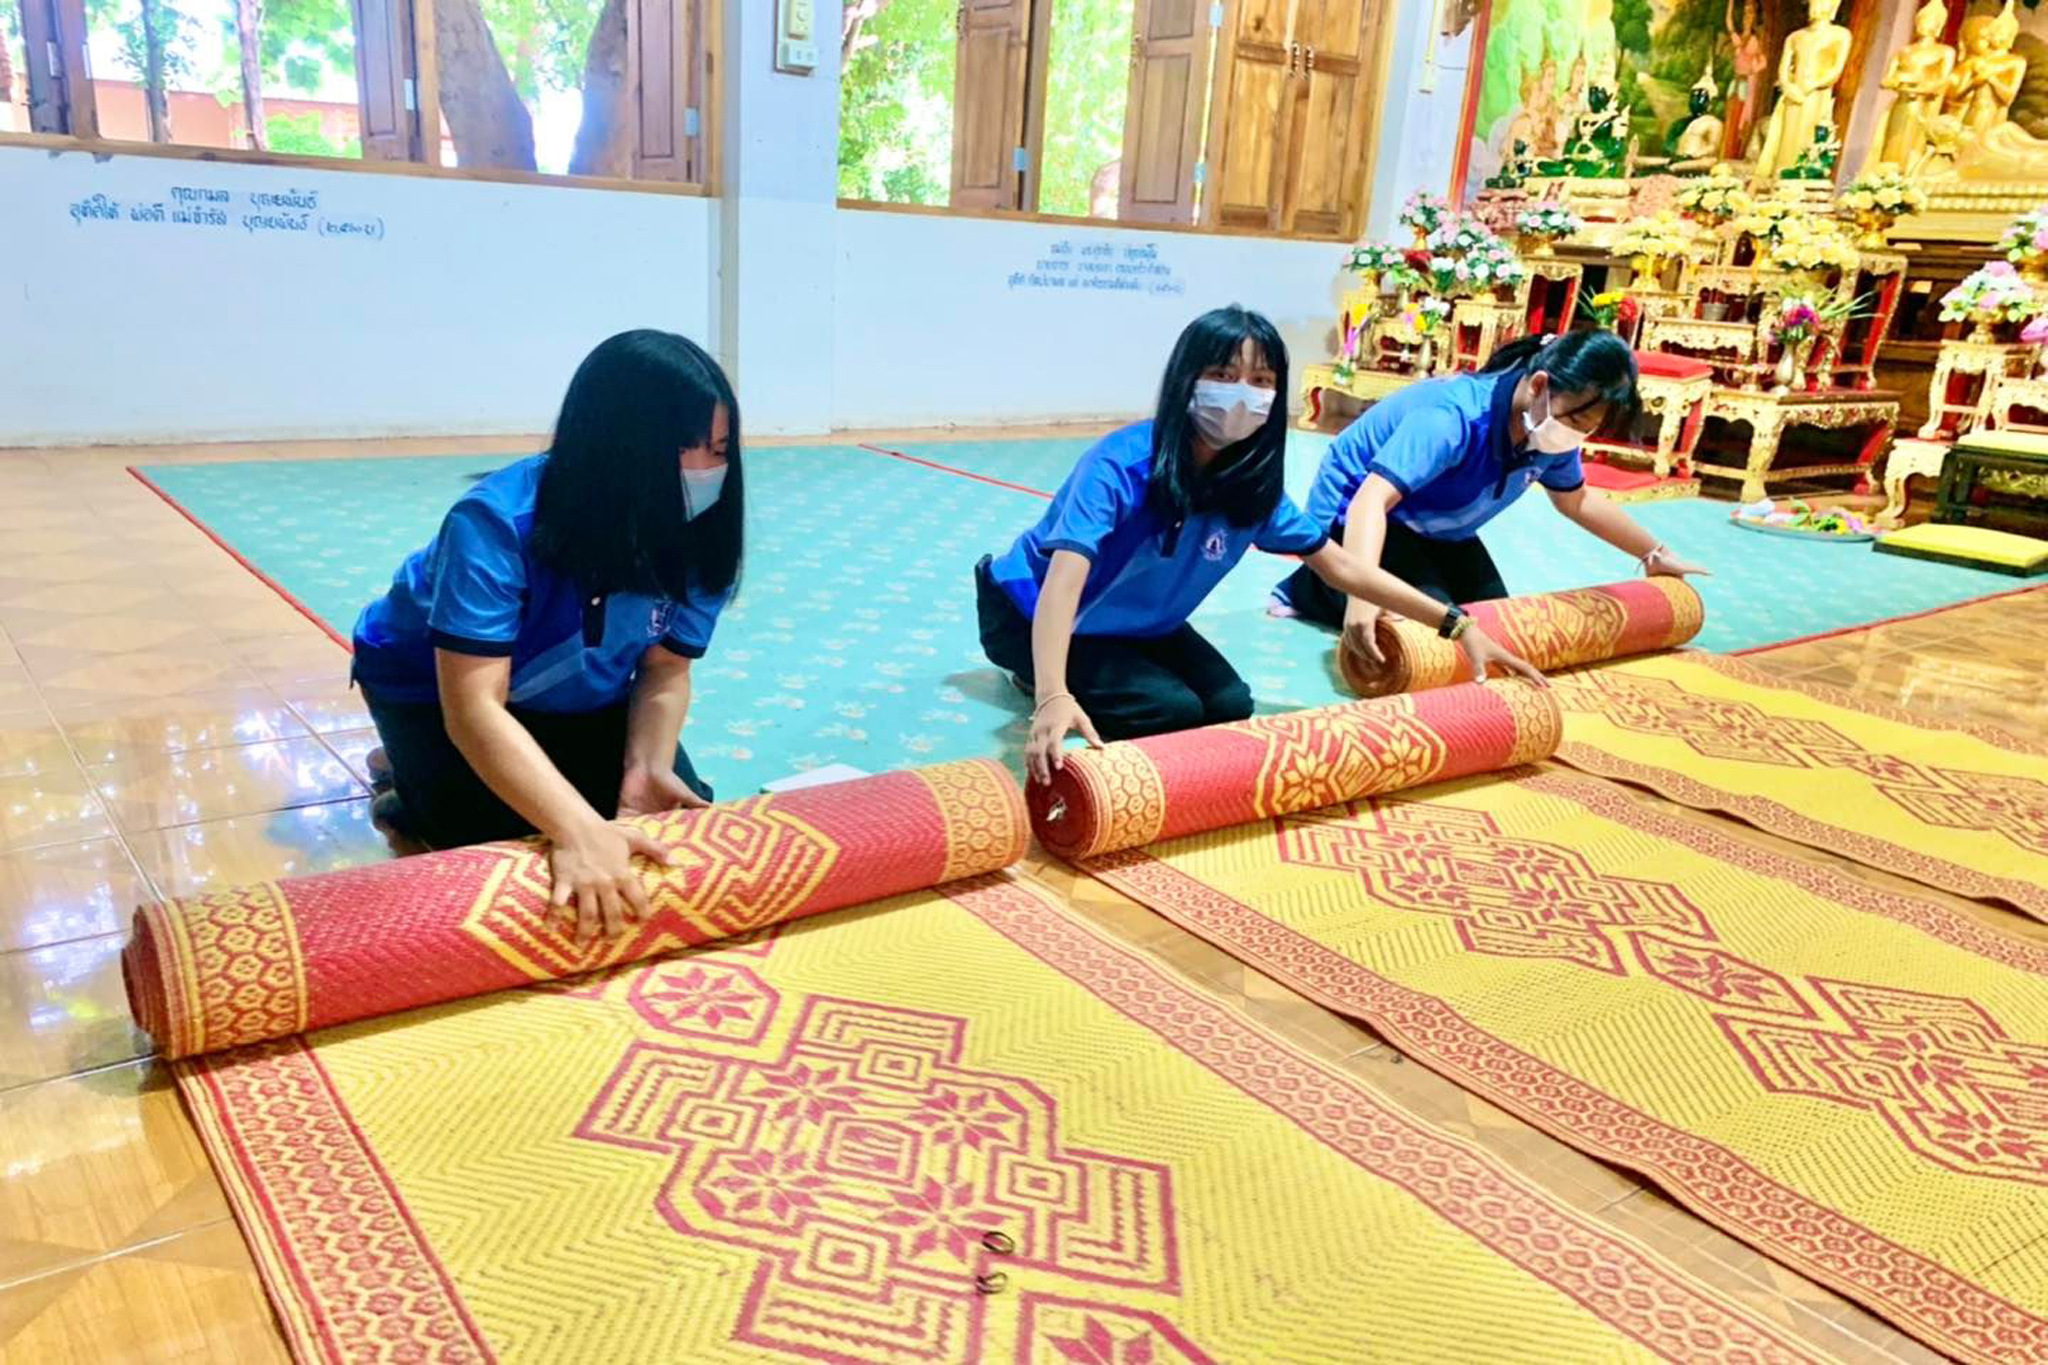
[167,724]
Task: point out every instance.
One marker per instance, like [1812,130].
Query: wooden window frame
[1375,62]
[69,101]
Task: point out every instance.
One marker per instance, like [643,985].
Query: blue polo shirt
[1146,576]
[478,590]
[1444,444]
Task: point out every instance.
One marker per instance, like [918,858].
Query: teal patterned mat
[853,637]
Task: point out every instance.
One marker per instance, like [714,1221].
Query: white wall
[930,322]
[1418,129]
[466,315]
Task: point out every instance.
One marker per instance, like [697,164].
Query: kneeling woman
[1090,607]
[1407,486]
[530,669]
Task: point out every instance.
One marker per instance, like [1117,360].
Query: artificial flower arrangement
[1614,310]
[1376,258]
[2025,242]
[1426,314]
[1424,213]
[1766,219]
[1715,198]
[1457,235]
[1989,295]
[1801,318]
[1662,236]
[1884,190]
[1809,245]
[1550,220]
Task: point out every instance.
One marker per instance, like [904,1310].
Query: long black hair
[610,511]
[1244,482]
[1581,360]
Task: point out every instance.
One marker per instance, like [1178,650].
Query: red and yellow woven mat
[961,1127]
[1139,791]
[1853,1081]
[1551,630]
[268,961]
[1964,811]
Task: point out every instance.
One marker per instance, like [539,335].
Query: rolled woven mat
[268,961]
[1139,791]
[1550,630]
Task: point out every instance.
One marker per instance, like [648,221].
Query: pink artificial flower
[2002,269]
[2035,332]
[2041,239]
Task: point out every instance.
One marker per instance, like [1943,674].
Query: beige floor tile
[67,891]
[156,791]
[193,1297]
[216,854]
[128,728]
[49,808]
[65,1010]
[97,1162]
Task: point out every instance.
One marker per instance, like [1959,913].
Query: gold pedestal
[1991,361]
[1770,415]
[1908,458]
[1367,386]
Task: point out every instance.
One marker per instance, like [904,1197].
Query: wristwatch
[1455,623]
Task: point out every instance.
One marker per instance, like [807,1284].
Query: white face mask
[700,490]
[1228,413]
[1552,436]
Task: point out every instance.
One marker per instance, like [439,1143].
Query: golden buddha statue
[1987,80]
[1813,60]
[1575,106]
[1919,76]
[1990,146]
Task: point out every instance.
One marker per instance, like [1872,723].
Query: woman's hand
[1055,717]
[1361,628]
[1660,562]
[1483,651]
[593,872]
[651,791]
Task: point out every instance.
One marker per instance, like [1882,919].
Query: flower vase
[2033,267]
[1980,330]
[1871,226]
[1425,356]
[1788,368]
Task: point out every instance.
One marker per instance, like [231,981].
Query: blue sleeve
[690,625]
[479,581]
[1425,446]
[1337,478]
[1289,531]
[1096,499]
[1564,475]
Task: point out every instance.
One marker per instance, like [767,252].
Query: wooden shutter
[59,101]
[384,70]
[1245,121]
[1163,116]
[1322,189]
[991,55]
[667,44]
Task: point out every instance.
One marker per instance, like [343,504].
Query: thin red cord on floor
[300,607]
[951,469]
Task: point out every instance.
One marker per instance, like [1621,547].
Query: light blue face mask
[701,488]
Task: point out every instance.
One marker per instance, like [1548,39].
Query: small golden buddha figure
[1813,60]
[1919,76]
[1987,80]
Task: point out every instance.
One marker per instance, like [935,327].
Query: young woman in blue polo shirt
[1089,608]
[530,669]
[1408,485]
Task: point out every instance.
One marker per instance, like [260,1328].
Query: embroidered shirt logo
[1215,547]
[658,619]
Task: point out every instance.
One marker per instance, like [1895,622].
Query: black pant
[448,806]
[1130,687]
[1454,572]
